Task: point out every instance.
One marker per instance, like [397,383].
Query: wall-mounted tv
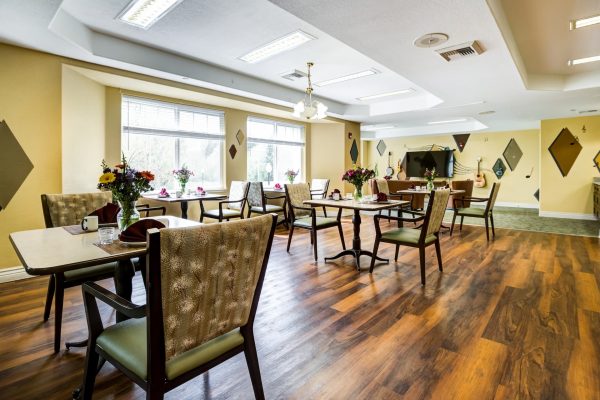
[418,161]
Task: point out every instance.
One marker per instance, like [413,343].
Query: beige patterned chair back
[69,209]
[493,196]
[237,191]
[255,194]
[297,193]
[382,186]
[437,210]
[209,274]
[320,185]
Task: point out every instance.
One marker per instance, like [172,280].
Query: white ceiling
[523,80]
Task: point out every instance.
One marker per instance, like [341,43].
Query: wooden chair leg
[438,252]
[422,261]
[314,239]
[325,212]
[49,297]
[253,367]
[342,236]
[90,371]
[487,229]
[58,309]
[492,221]
[397,251]
[375,248]
[201,217]
[453,220]
[462,218]
[290,237]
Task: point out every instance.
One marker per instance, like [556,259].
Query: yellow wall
[571,194]
[327,155]
[30,102]
[516,189]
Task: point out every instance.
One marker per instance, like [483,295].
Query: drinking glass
[106,235]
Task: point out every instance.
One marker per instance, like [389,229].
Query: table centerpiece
[430,175]
[183,175]
[126,185]
[290,174]
[357,176]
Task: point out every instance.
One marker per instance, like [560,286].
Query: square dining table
[357,206]
[185,199]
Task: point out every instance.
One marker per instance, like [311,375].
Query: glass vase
[182,186]
[127,215]
[430,186]
[358,195]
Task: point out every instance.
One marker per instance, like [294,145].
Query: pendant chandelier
[309,108]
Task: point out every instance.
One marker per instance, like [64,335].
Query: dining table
[185,199]
[356,206]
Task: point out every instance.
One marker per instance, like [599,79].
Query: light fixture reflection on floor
[309,108]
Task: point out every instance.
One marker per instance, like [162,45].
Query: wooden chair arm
[115,301]
[274,197]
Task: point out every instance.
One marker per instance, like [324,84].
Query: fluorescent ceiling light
[356,75]
[277,46]
[380,95]
[580,23]
[376,127]
[584,60]
[144,13]
[449,121]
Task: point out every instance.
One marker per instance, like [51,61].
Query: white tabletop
[356,205]
[50,250]
[185,197]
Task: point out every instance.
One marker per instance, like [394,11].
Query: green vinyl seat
[471,211]
[407,235]
[320,222]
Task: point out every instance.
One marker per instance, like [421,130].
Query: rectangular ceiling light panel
[584,60]
[345,78]
[277,46]
[450,121]
[144,13]
[380,95]
[580,23]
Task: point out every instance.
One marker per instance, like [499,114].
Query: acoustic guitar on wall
[479,177]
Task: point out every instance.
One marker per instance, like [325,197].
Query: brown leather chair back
[467,186]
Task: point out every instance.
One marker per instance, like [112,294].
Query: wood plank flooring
[515,318]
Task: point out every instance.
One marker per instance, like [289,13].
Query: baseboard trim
[516,205]
[13,274]
[554,214]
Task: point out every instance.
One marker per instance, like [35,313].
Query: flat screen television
[442,161]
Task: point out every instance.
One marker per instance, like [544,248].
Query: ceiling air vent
[461,51]
[294,75]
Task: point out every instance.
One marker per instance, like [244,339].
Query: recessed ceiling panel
[565,150]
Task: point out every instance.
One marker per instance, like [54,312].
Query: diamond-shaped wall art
[499,168]
[381,147]
[232,151]
[240,137]
[13,159]
[597,161]
[461,140]
[565,150]
[354,151]
[512,154]
[537,195]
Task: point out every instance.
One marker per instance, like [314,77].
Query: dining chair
[426,235]
[257,203]
[204,285]
[467,186]
[146,209]
[62,210]
[233,207]
[305,217]
[477,212]
[381,186]
[318,190]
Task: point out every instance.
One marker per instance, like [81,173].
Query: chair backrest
[256,194]
[493,196]
[69,209]
[436,209]
[205,281]
[238,191]
[296,193]
[467,186]
[382,186]
[319,185]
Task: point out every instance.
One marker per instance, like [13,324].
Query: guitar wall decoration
[479,178]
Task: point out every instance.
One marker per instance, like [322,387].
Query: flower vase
[182,185]
[358,195]
[127,215]
[430,186]
[291,179]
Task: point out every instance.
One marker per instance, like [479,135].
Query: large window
[274,148]
[161,137]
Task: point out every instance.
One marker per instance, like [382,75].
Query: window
[273,148]
[161,137]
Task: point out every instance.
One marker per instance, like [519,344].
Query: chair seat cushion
[406,235]
[227,213]
[472,211]
[126,343]
[270,208]
[90,272]
[306,222]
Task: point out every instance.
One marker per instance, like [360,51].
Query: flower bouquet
[126,185]
[290,174]
[183,176]
[430,175]
[357,176]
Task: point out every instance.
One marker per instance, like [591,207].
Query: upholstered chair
[318,190]
[233,207]
[62,210]
[477,212]
[305,217]
[257,203]
[381,186]
[427,235]
[204,286]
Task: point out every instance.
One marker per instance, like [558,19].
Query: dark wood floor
[518,317]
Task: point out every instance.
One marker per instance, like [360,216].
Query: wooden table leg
[184,208]
[124,273]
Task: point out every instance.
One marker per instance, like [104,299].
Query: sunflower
[107,177]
